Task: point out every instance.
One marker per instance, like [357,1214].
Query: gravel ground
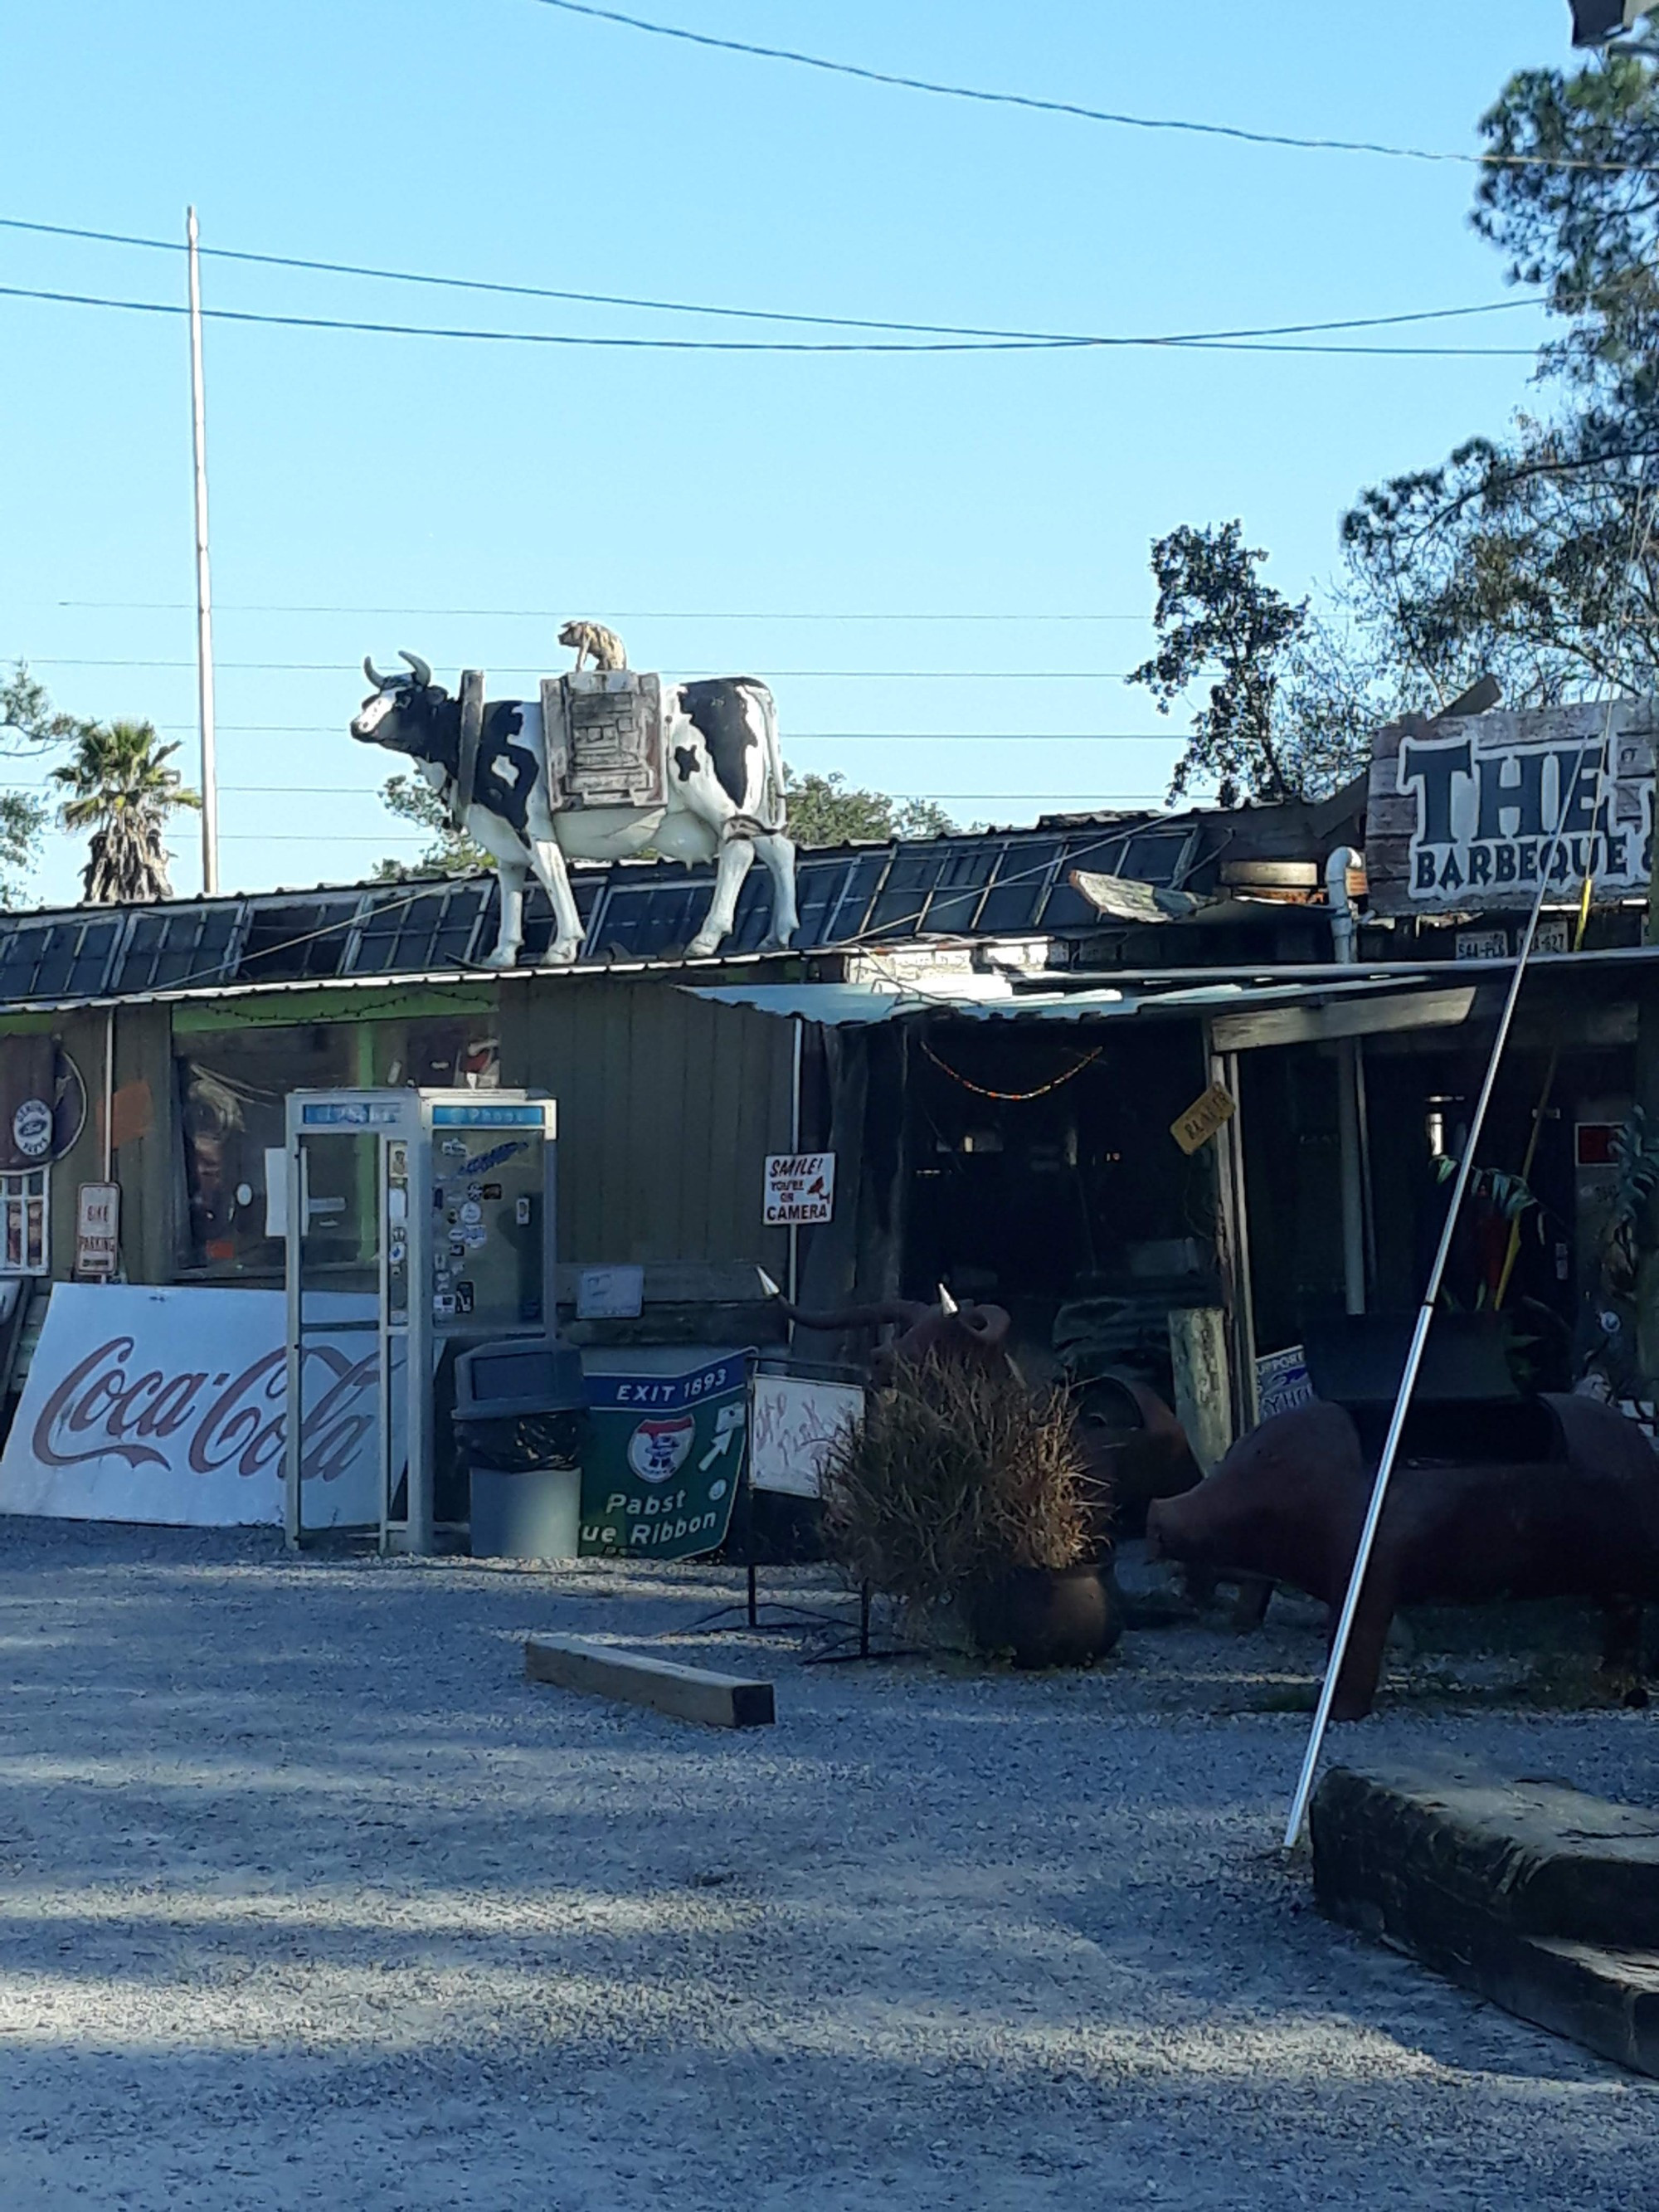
[309,1899]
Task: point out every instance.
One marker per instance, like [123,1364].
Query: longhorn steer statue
[723,798]
[1132,1446]
[976,1334]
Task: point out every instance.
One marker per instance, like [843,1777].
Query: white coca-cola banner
[169,1406]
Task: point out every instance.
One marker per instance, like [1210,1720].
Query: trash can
[520,1419]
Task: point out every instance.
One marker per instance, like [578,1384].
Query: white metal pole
[1344,932]
[795,1145]
[203,583]
[1569,781]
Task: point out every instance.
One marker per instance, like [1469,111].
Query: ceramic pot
[1047,1616]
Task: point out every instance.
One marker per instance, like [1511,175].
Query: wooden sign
[97,1228]
[1203,1118]
[1462,813]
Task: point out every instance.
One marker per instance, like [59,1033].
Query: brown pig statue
[1288,1502]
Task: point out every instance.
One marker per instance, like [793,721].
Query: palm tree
[119,787]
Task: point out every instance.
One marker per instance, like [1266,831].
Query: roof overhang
[1241,1016]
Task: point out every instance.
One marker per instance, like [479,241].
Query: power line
[768,675]
[1081,114]
[1190,343]
[558,614]
[746,314]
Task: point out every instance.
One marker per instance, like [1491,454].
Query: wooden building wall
[667,1108]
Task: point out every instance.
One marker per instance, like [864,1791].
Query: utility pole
[203,583]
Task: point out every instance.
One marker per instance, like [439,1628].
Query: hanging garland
[1010,1097]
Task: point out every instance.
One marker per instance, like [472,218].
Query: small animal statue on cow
[591,640]
[603,764]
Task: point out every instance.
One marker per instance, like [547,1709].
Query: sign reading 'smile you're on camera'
[1460,814]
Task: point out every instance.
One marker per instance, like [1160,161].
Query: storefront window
[233,1089]
[23,1218]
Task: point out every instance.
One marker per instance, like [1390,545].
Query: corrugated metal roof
[842,1004]
[985,884]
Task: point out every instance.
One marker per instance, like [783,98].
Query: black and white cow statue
[724,798]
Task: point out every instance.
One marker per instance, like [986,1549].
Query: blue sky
[505,140]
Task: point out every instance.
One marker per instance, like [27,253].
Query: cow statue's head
[404,711]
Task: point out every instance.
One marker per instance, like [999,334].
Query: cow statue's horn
[947,1304]
[769,1288]
[423,672]
[374,674]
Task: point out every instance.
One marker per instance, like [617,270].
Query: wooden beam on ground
[685,1693]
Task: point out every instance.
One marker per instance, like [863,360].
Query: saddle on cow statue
[602,731]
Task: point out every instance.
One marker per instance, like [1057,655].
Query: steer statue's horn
[947,1305]
[375,676]
[421,669]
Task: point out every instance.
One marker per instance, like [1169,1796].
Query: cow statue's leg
[737,858]
[547,861]
[779,855]
[509,937]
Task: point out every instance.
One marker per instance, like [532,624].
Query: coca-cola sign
[172,1406]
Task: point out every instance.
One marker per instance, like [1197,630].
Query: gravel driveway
[309,1899]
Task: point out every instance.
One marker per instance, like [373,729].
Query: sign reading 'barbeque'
[1463,815]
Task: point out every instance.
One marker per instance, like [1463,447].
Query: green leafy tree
[1290,697]
[412,799]
[1533,556]
[22,817]
[827,810]
[117,784]
[30,725]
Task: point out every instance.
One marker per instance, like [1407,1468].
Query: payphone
[414,1219]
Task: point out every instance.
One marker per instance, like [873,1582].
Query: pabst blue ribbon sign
[1461,816]
[170,1406]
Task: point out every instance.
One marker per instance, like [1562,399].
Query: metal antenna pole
[1425,1311]
[1641,529]
[203,585]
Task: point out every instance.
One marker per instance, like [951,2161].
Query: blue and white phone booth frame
[409,1271]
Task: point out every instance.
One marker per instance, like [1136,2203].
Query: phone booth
[416,1221]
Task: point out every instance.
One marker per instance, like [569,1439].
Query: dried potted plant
[962,1489]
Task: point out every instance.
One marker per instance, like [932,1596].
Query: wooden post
[1233,1239]
[1203,1388]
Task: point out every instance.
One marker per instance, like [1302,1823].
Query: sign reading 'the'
[1463,815]
[800,1188]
